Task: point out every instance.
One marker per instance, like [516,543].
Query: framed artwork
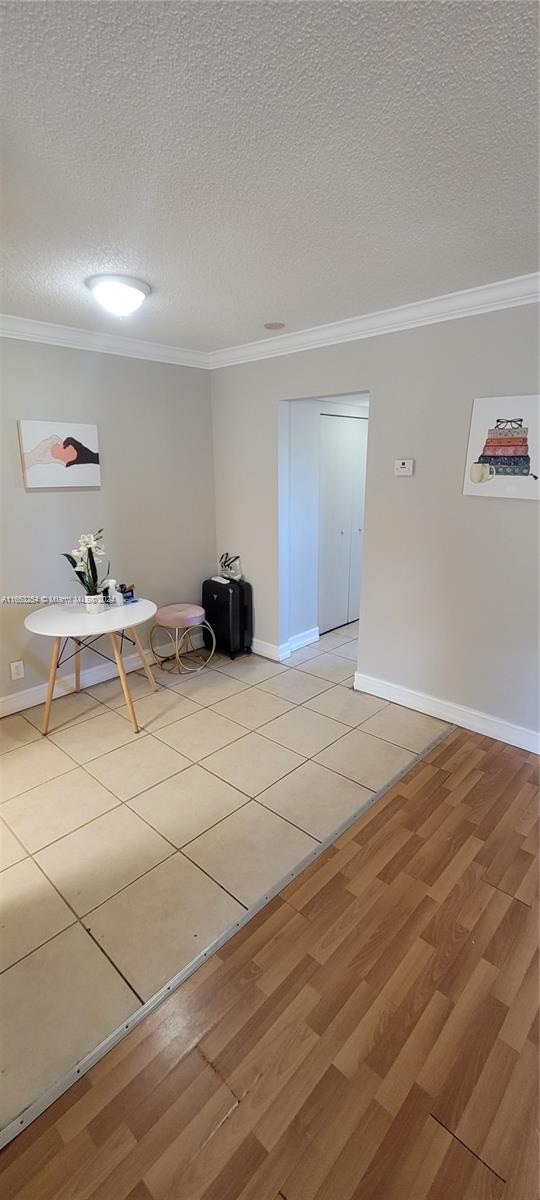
[59,454]
[503,455]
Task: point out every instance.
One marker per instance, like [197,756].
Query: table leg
[50,687]
[123,681]
[78,667]
[145,665]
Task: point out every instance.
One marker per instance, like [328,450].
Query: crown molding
[506,293]
[102,343]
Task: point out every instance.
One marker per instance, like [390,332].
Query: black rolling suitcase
[228,605]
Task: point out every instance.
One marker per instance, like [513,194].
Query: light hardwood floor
[371,1035]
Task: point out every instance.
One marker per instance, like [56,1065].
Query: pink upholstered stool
[183,619]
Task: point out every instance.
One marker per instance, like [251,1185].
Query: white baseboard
[281,653]
[90,676]
[268,650]
[66,683]
[299,640]
[446,710]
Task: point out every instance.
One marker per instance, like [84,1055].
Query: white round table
[65,621]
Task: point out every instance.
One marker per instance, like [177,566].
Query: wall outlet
[403,466]
[17,669]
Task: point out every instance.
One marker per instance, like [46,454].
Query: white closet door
[357,477]
[342,474]
[335,523]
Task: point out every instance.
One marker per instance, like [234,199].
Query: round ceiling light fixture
[121,295]
[274,325]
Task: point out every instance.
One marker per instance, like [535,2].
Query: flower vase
[94,604]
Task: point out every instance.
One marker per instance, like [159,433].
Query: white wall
[450,593]
[156,501]
[300,440]
[450,587]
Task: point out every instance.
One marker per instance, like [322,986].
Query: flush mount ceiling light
[119,294]
[273,325]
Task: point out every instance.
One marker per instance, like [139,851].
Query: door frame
[289,638]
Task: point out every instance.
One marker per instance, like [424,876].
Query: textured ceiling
[293,161]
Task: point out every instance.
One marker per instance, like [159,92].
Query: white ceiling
[293,161]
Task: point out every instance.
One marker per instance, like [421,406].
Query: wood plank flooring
[372,1034]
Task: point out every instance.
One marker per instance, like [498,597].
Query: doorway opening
[343,450]
[322,474]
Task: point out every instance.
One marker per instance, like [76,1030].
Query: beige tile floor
[123,856]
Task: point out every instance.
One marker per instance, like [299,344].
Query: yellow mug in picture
[481,472]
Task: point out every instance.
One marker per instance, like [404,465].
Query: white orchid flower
[87,542]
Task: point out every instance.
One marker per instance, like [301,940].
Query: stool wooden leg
[78,667]
[50,687]
[144,663]
[123,681]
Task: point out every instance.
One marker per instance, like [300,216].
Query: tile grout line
[77,921]
[46,941]
[257,800]
[200,762]
[160,684]
[82,766]
[211,877]
[248,729]
[174,848]
[249,798]
[349,729]
[41,736]
[84,916]
[32,854]
[47,845]
[340,829]
[118,800]
[246,800]
[159,687]
[126,804]
[113,964]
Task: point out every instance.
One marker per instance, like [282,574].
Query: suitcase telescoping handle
[245,624]
[248,617]
[231,627]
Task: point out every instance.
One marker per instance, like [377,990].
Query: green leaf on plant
[92,567]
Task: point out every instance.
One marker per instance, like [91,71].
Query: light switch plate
[404,466]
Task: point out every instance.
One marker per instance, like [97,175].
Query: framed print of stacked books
[504,448]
